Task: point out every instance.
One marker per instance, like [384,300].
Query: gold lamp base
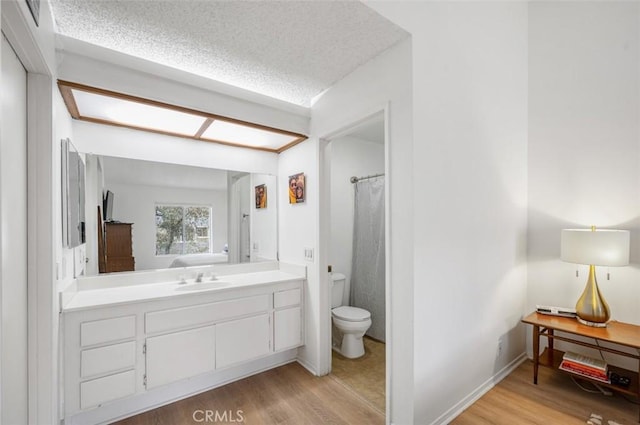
[591,308]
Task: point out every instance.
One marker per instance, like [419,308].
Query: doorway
[353,162]
[239,218]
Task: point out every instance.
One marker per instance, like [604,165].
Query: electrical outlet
[499,350]
[308,254]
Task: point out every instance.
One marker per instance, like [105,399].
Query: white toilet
[349,323]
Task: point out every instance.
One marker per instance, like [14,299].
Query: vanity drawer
[108,330]
[286,298]
[98,361]
[102,390]
[166,320]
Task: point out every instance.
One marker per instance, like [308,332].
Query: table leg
[550,347]
[536,352]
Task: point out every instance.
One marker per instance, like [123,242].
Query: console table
[623,334]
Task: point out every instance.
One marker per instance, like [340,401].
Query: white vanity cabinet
[103,363]
[179,355]
[287,319]
[160,350]
[242,340]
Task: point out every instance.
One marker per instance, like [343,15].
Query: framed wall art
[296,188]
[261,196]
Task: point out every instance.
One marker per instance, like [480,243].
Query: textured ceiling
[289,50]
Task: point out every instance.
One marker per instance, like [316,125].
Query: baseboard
[311,368]
[463,404]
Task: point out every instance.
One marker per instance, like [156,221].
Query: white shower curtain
[368,269]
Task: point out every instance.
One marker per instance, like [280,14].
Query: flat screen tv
[107,206]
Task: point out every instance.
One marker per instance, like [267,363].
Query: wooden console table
[623,334]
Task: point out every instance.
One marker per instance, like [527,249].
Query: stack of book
[585,366]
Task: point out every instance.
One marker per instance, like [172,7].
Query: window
[183,229]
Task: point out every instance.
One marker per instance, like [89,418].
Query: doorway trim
[42,331]
[324,224]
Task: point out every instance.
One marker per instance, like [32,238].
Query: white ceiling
[288,50]
[148,173]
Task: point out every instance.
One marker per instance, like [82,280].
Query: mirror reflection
[157,215]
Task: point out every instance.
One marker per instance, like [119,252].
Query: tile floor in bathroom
[365,375]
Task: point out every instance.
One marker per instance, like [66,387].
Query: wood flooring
[286,395]
[556,400]
[366,374]
[291,395]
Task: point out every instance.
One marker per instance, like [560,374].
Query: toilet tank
[337,289]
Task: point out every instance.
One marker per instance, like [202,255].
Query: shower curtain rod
[355,179]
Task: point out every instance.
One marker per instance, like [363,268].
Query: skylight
[241,134]
[105,107]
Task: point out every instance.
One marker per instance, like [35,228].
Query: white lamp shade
[598,248]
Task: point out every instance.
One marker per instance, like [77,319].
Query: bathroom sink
[201,286]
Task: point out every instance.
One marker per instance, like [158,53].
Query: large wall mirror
[168,215]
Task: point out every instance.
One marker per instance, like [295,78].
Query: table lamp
[595,248]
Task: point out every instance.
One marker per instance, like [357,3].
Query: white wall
[469,200]
[385,81]
[136,204]
[349,157]
[297,226]
[584,132]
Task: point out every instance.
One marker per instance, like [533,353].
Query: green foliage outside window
[182,229]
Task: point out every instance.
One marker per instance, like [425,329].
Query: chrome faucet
[199,276]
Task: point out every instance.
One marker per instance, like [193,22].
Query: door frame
[324,226]
[42,304]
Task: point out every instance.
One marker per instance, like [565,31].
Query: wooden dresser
[118,247]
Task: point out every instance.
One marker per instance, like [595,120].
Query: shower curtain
[367,269]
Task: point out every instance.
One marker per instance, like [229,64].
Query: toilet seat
[351,314]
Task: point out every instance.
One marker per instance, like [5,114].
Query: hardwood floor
[291,395]
[555,400]
[366,374]
[285,395]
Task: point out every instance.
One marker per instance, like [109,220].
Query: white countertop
[124,294]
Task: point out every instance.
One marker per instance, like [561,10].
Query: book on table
[585,360]
[585,366]
[598,376]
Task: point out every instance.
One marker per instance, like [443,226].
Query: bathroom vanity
[135,341]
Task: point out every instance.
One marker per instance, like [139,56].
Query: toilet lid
[351,314]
